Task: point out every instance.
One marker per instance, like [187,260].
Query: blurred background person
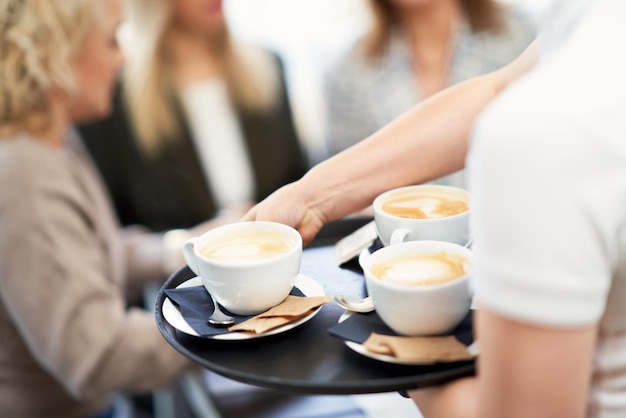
[201,129]
[202,124]
[69,342]
[414,49]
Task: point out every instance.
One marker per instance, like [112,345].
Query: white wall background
[307,34]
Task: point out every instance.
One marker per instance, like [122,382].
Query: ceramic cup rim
[378,210]
[404,248]
[236,226]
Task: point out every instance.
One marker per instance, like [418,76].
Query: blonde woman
[68,341]
[414,49]
[202,124]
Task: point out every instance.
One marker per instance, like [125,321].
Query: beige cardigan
[66,338]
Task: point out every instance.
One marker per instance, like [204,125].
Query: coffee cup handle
[363,256]
[398,236]
[190,255]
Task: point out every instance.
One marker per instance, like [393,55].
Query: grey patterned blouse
[363,96]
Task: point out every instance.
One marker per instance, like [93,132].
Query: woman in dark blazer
[150,158]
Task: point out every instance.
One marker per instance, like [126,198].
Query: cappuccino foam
[422,269]
[425,204]
[247,246]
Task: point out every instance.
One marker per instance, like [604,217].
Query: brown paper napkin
[290,310]
[427,349]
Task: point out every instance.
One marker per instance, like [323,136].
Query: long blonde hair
[483,15]
[149,84]
[37,41]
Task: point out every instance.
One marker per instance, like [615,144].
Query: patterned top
[363,96]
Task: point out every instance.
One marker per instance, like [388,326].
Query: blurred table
[307,359]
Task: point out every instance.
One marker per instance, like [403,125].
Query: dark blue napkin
[353,263]
[358,328]
[196,306]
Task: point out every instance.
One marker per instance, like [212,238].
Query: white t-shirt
[547,170]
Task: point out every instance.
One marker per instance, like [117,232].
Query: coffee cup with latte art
[423,212]
[248,267]
[420,288]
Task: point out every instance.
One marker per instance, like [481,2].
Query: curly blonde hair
[38,39]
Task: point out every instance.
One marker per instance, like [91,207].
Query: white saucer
[361,349]
[307,285]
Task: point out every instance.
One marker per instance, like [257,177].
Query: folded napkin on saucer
[439,349]
[369,330]
[292,309]
[196,306]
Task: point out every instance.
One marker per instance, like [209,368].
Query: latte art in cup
[422,269]
[423,212]
[425,203]
[246,246]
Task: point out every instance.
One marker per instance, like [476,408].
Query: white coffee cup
[423,212]
[420,288]
[248,267]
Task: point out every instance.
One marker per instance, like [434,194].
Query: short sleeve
[545,209]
